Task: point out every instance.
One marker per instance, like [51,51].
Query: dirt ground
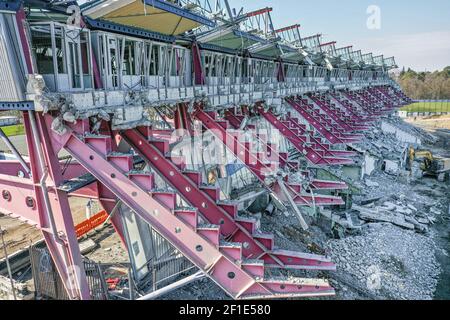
[19,235]
[438,126]
[431,123]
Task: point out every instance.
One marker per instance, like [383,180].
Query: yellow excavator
[430,164]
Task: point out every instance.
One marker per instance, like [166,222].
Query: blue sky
[416,32]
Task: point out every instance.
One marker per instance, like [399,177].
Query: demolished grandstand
[186,121]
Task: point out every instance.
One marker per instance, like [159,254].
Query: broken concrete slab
[87,246]
[377,216]
[398,221]
[391,167]
[22,290]
[346,222]
[372,184]
[389,206]
[423,220]
[435,211]
[420,227]
[370,200]
[403,210]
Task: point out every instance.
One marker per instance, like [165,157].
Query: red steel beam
[327,44]
[258,12]
[294,26]
[313,36]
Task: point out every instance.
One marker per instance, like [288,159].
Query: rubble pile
[382,144]
[385,247]
[390,262]
[388,246]
[394,203]
[381,184]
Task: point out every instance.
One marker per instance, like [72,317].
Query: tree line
[425,85]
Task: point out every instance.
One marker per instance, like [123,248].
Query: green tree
[426,85]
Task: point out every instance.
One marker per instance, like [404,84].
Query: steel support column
[55,218]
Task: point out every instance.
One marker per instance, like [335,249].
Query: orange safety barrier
[91,223]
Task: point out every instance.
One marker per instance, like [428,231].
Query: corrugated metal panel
[12,84]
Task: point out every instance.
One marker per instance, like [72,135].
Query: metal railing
[49,285]
[167,264]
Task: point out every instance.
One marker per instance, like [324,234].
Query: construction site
[188,150]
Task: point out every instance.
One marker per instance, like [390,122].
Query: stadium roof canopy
[160,16]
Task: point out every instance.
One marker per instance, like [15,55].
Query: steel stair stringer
[379,94]
[303,134]
[325,108]
[316,157]
[328,135]
[273,153]
[317,143]
[259,168]
[235,121]
[340,119]
[383,91]
[233,228]
[221,261]
[325,120]
[352,110]
[370,110]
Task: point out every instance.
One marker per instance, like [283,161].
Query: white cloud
[420,51]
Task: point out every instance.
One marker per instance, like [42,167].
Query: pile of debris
[396,213]
[22,290]
[382,144]
[390,262]
[384,247]
[387,244]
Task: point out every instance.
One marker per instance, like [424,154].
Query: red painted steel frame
[62,246]
[233,228]
[223,262]
[236,121]
[257,165]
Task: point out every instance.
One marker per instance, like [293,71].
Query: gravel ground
[390,262]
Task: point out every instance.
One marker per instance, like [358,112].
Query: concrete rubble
[385,243]
[391,262]
[393,253]
[22,290]
[87,246]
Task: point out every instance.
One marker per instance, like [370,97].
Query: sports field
[15,130]
[428,107]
